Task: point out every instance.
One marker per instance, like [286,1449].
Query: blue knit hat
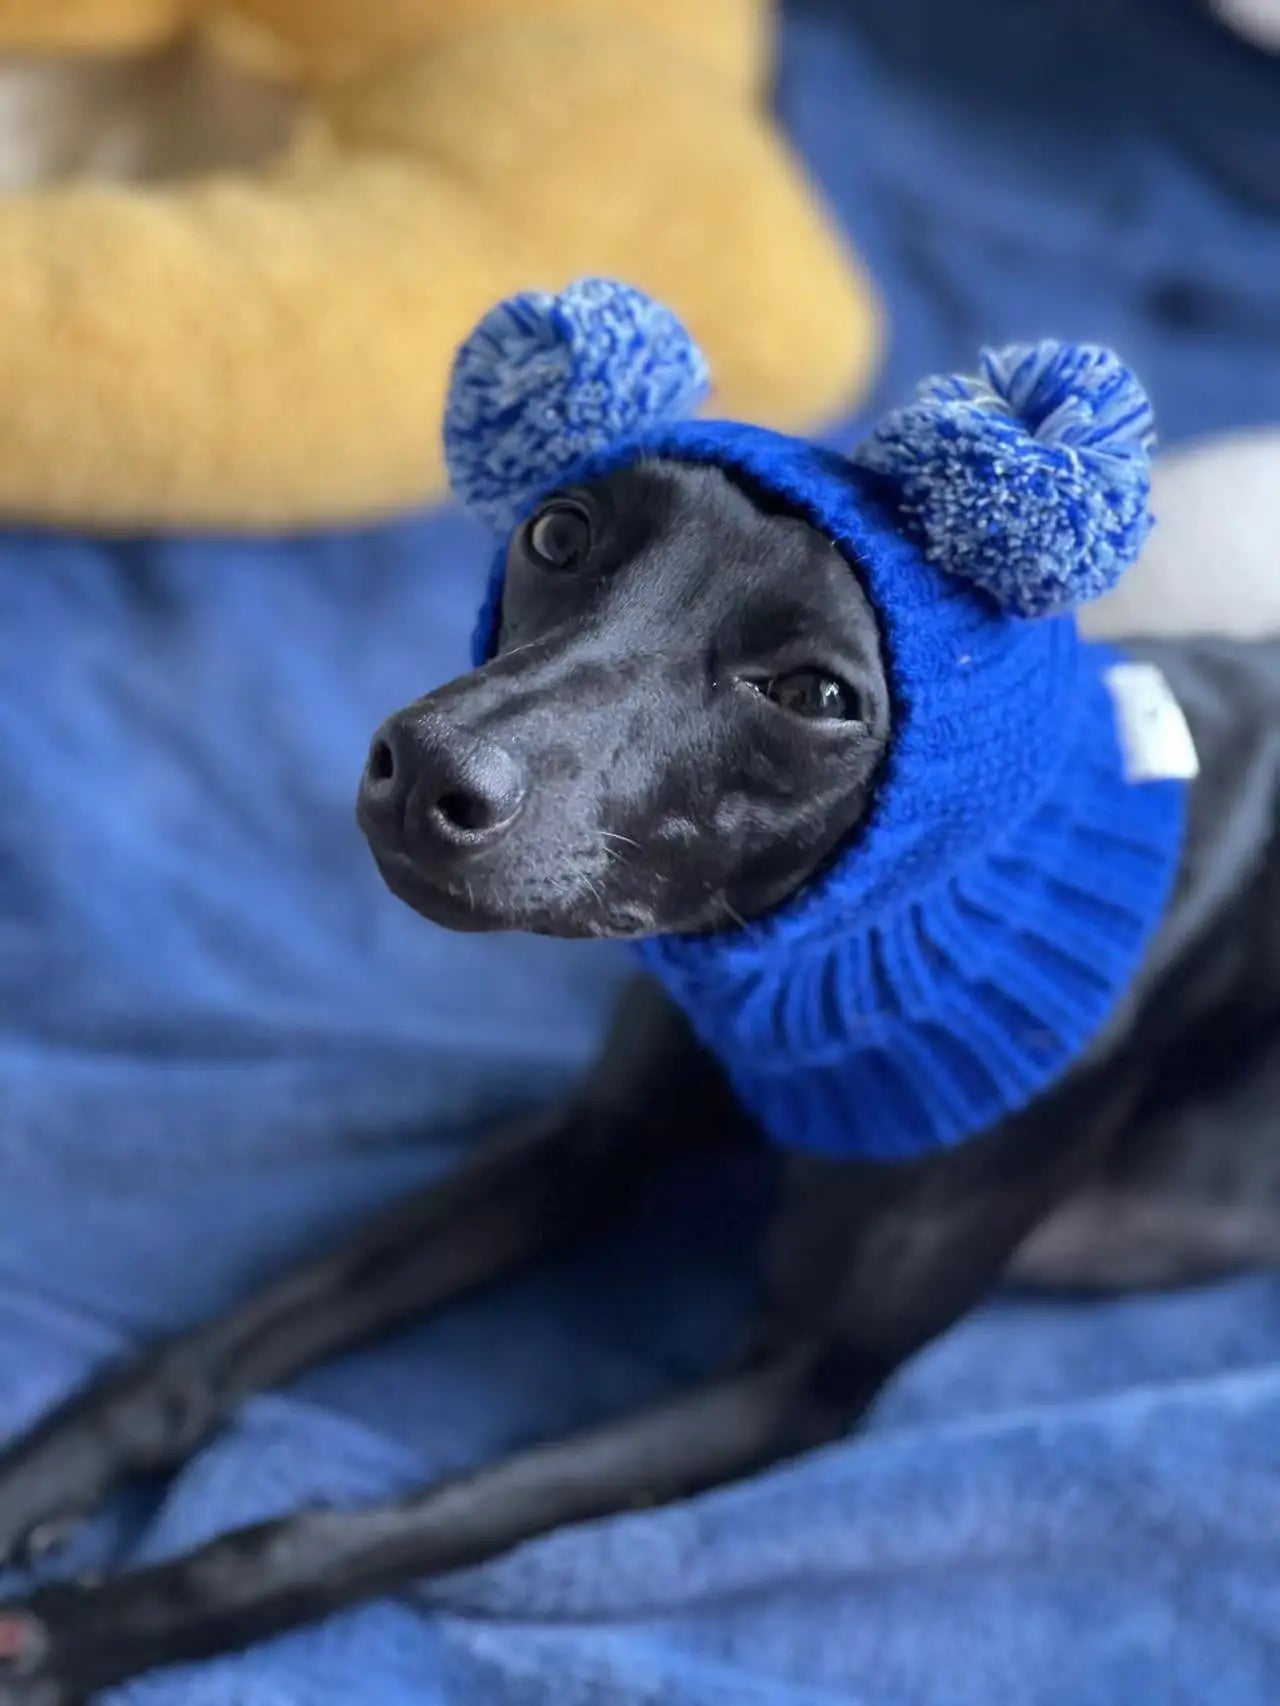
[986,919]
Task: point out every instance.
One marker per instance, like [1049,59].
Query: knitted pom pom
[1032,481]
[545,380]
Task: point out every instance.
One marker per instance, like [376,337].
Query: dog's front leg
[526,1195]
[67,1642]
[544,1183]
[870,1262]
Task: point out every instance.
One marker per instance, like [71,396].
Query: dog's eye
[559,536]
[808,693]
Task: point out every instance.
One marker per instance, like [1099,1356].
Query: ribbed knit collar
[861,1022]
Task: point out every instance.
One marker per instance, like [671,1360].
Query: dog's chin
[465,907]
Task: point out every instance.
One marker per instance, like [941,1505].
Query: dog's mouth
[452,905]
[459,903]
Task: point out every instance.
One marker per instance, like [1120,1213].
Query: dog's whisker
[595,891]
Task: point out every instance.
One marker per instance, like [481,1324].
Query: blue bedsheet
[221,1042]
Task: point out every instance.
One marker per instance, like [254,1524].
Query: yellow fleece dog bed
[269,347]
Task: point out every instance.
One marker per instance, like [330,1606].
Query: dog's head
[683,717]
[712,654]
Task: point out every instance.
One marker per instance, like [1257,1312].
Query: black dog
[641,691]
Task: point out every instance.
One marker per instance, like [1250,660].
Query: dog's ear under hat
[544,381]
[1032,481]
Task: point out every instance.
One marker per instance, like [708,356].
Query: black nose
[428,786]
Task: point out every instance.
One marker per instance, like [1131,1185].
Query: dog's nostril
[465,811]
[382,761]
[481,796]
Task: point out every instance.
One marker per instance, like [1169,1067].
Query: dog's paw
[32,1542]
[40,1508]
[29,1670]
[133,1420]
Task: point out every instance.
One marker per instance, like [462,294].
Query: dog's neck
[929,983]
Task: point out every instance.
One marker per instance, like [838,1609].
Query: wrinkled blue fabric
[1018,169]
[221,1042]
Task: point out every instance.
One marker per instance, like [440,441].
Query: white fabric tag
[1154,736]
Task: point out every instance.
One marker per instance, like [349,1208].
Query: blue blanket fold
[222,1043]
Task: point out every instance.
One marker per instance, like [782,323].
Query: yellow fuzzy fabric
[89,26]
[271,348]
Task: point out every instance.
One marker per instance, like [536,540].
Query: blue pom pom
[544,381]
[1033,481]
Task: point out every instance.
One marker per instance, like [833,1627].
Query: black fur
[637,759]
[661,790]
